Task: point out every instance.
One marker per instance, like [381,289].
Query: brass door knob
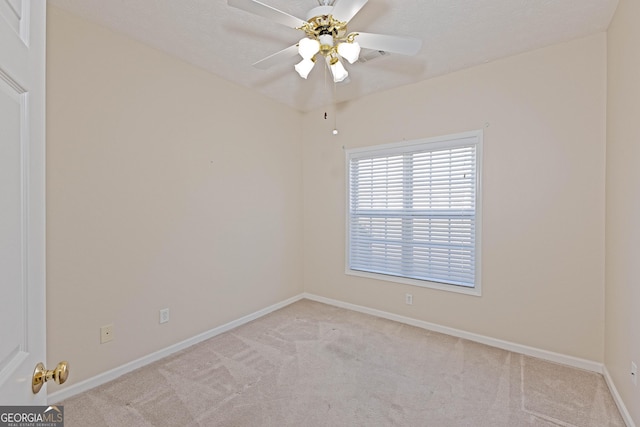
[41,375]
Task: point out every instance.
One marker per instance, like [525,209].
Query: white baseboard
[626,416]
[563,359]
[112,374]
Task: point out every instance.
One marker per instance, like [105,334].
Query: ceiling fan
[326,34]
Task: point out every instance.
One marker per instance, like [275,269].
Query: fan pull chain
[326,102]
[335,102]
[335,109]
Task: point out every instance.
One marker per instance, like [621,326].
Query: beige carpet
[311,364]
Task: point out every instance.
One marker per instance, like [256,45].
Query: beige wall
[543,195]
[166,187]
[160,195]
[623,203]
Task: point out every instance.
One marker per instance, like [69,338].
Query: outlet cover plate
[164,315]
[106,333]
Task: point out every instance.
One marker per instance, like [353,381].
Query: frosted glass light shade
[304,67]
[349,51]
[338,70]
[325,40]
[307,48]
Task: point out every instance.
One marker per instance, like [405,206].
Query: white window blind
[413,210]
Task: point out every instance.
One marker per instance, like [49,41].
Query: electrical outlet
[106,334]
[164,315]
[408,299]
[634,373]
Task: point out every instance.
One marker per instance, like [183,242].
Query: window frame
[432,144]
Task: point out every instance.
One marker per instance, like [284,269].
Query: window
[414,212]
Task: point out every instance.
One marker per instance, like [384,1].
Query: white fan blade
[393,44]
[277,57]
[344,10]
[266,11]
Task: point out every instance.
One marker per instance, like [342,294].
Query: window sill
[475,291]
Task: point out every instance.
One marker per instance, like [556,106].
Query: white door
[22,199]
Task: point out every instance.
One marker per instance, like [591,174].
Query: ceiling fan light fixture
[307,48]
[337,69]
[349,51]
[326,33]
[305,66]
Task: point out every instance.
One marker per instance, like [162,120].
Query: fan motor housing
[324,24]
[319,11]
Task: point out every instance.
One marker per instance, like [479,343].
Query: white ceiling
[456,34]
